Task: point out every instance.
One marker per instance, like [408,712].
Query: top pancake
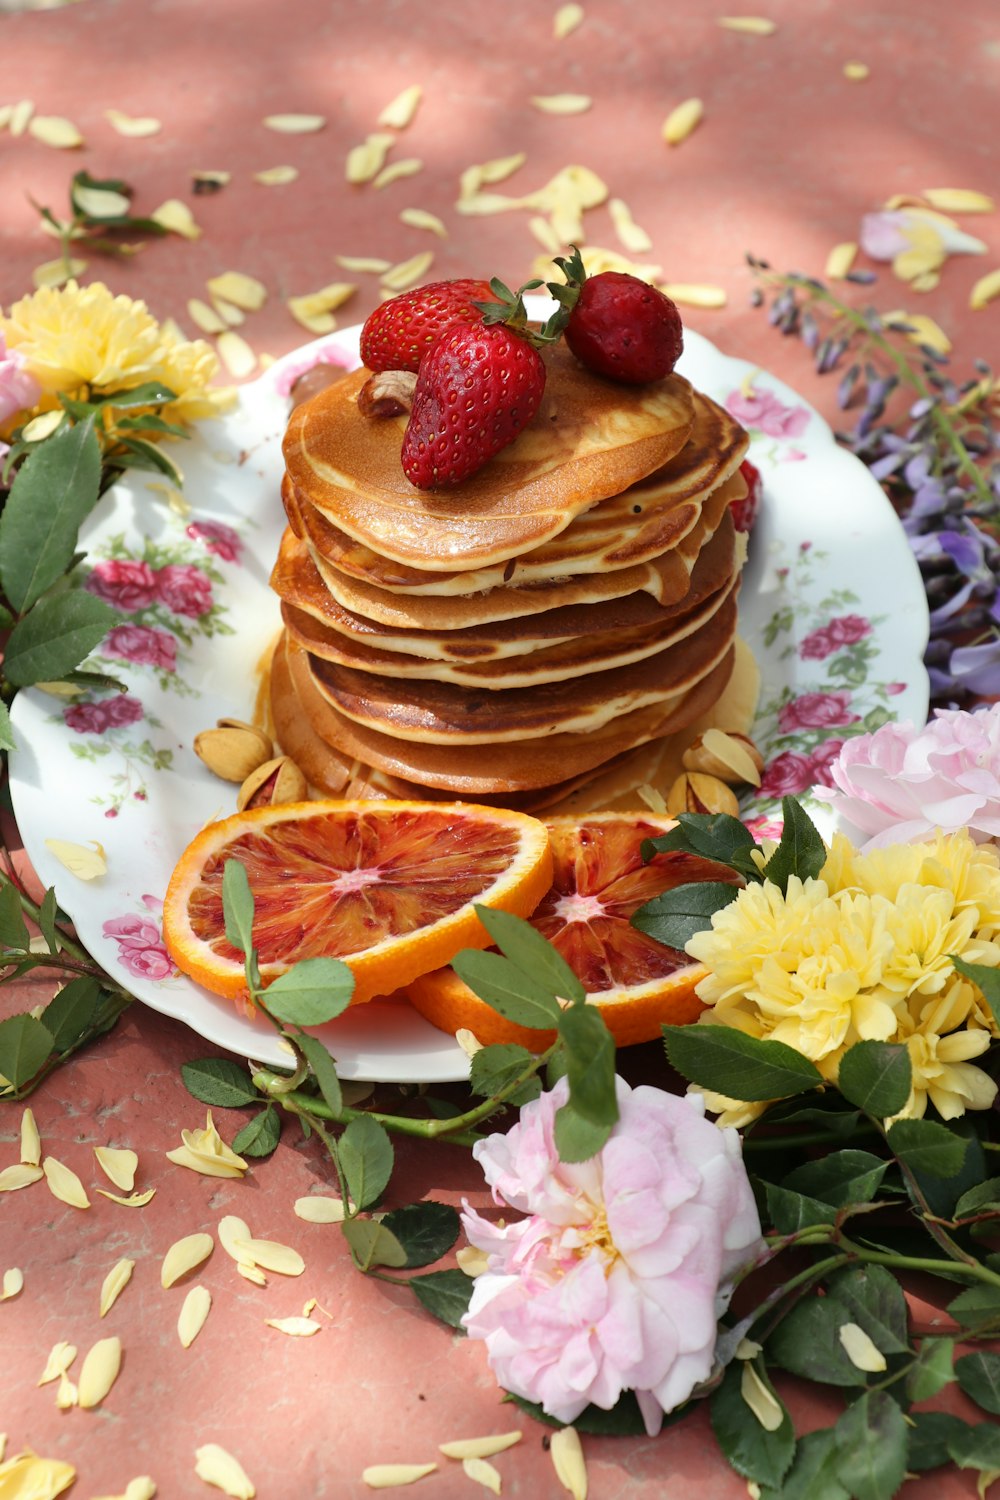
[591,439]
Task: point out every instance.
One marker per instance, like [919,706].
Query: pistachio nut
[278,780]
[730,756]
[695,792]
[233,749]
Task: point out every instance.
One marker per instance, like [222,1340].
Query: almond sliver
[276,176]
[13,1283]
[857,72]
[134,1200]
[364,161]
[240,360]
[86,863]
[250,1272]
[194,1311]
[959,200]
[132,125]
[64,1183]
[681,121]
[694,294]
[481,1447]
[566,1452]
[400,276]
[228,312]
[566,19]
[419,218]
[53,130]
[562,104]
[294,124]
[205,318]
[985,289]
[319,1208]
[99,1371]
[115,1283]
[407,166]
[31,1143]
[482,1473]
[61,1356]
[840,260]
[233,1231]
[370,263]
[215,1466]
[67,1395]
[300,1328]
[272,1256]
[634,239]
[20,114]
[752,25]
[183,1255]
[400,112]
[118,1164]
[384,1476]
[245,292]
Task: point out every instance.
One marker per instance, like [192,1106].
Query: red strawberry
[478,387]
[618,325]
[744,512]
[398,334]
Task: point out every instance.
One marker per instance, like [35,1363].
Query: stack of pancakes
[509,638]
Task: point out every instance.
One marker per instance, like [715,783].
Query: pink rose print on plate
[218,538]
[816,711]
[185,589]
[125,583]
[140,947]
[765,827]
[108,713]
[146,645]
[328,356]
[823,758]
[846,630]
[787,774]
[761,410]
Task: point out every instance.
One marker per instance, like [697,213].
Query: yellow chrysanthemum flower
[77,340]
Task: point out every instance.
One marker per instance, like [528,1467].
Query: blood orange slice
[599,880]
[388,887]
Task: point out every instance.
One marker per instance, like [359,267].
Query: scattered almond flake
[184,1254]
[216,1466]
[118,1165]
[272,1256]
[210,181]
[86,863]
[318,323]
[250,1272]
[365,161]
[295,124]
[752,25]
[920,329]
[204,1150]
[566,19]
[115,1283]
[753,1489]
[925,282]
[6,110]
[53,130]
[370,263]
[545,234]
[236,354]
[99,1371]
[31,1143]
[13,1282]
[42,426]
[763,1403]
[481,1447]
[28,1477]
[840,260]
[419,218]
[681,121]
[407,166]
[400,112]
[472,1260]
[193,1313]
[628,231]
[468,1041]
[483,1473]
[299,1328]
[64,1183]
[20,115]
[232,1231]
[142,1488]
[175,216]
[985,289]
[132,125]
[228,312]
[67,1394]
[694,294]
[861,1349]
[134,1200]
[483,204]
[100,203]
[400,276]
[857,72]
[489,172]
[562,104]
[245,292]
[276,176]
[566,1452]
[959,200]
[3,1445]
[316,308]
[319,1208]
[61,1356]
[57,272]
[384,1476]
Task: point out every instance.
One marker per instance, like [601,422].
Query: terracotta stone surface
[788,157]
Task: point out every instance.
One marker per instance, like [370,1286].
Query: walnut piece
[387,394]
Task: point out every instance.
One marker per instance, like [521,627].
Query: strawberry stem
[509,309]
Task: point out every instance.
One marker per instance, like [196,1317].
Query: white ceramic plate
[832,605]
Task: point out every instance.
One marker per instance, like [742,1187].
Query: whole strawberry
[618,325]
[744,512]
[477,388]
[398,334]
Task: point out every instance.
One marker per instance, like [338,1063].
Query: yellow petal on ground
[20,1176]
[13,1283]
[840,260]
[132,125]
[118,1165]
[861,1349]
[369,263]
[407,166]
[481,1447]
[400,111]
[406,272]
[319,1208]
[228,312]
[985,289]
[365,161]
[297,1328]
[752,25]
[216,1466]
[566,1452]
[681,121]
[468,1041]
[481,1472]
[472,1260]
[633,238]
[100,203]
[57,272]
[28,1477]
[695,294]
[857,72]
[566,19]
[295,124]
[562,104]
[762,1402]
[184,1255]
[175,216]
[134,1200]
[99,1371]
[419,218]
[31,1141]
[245,292]
[67,1395]
[275,176]
[236,354]
[191,1319]
[83,861]
[384,1476]
[959,200]
[232,1232]
[64,1183]
[204,1150]
[42,426]
[54,130]
[61,1356]
[272,1256]
[115,1283]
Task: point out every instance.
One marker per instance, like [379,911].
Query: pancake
[585,444]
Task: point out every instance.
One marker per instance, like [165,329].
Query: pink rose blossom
[140,947]
[901,784]
[787,774]
[185,589]
[617,1277]
[146,645]
[125,583]
[220,539]
[846,630]
[762,410]
[19,390]
[108,713]
[816,711]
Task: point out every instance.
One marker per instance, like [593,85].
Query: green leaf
[791,1211]
[590,1064]
[676,915]
[925,1146]
[7,741]
[525,947]
[366,1158]
[151,393]
[979,1376]
[716,836]
[444,1294]
[843,1177]
[25,1045]
[932,1369]
[876,1076]
[743,1067]
[977,1305]
[324,1069]
[872,1297]
[806,1343]
[983,1198]
[219,1081]
[55,636]
[143,455]
[813,1475]
[930,1435]
[871,1441]
[71,1012]
[577,1139]
[514,995]
[54,491]
[495,1068]
[237,906]
[310,992]
[426,1231]
[986,977]
[976,1447]
[47,921]
[748,1447]
[13,928]
[372,1244]
[801,850]
[260,1135]
[146,422]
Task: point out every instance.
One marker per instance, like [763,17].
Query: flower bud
[233,749]
[278,780]
[694,792]
[730,756]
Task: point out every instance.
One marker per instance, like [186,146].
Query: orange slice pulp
[599,880]
[388,887]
